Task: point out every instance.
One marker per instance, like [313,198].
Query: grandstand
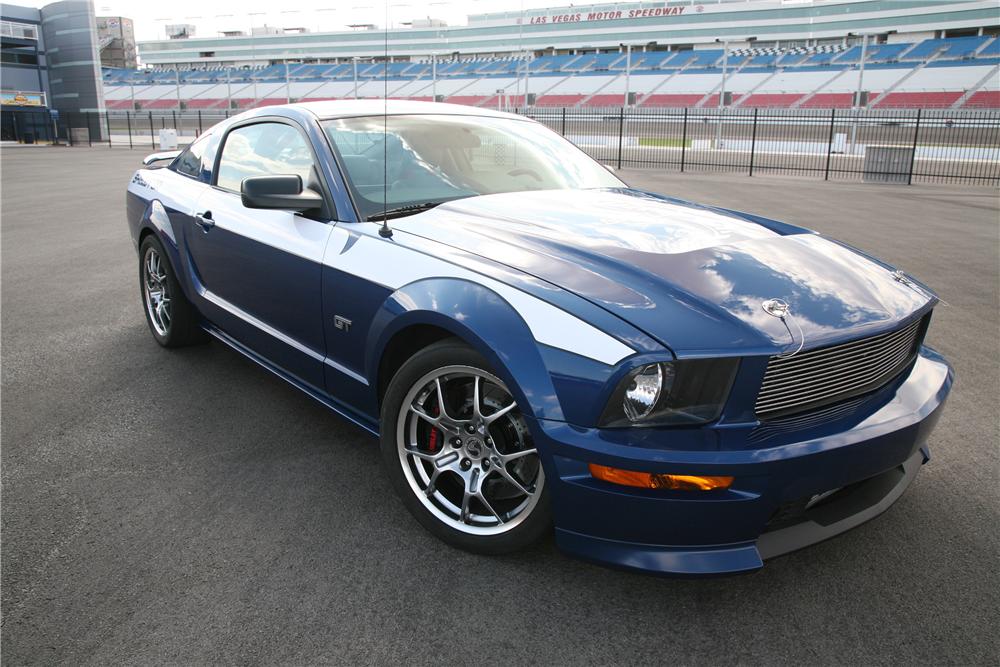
[811,62]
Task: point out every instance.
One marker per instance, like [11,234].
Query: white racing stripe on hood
[394,266]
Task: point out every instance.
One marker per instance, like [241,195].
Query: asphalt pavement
[187,507]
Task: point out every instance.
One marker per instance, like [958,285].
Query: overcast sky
[211,16]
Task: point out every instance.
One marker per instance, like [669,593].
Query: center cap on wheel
[475,447]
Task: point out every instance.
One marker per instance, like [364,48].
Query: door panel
[259,272]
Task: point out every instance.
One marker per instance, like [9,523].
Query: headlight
[643,392]
[671,393]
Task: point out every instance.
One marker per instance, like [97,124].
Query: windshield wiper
[401,211]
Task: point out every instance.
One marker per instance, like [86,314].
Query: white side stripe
[271,331]
[393,267]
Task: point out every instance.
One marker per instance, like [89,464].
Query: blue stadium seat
[605,60]
[954,47]
[991,51]
[764,60]
[706,58]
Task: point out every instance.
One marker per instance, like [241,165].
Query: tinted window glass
[208,157]
[401,160]
[263,149]
[189,162]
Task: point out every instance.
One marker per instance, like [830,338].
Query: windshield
[399,161]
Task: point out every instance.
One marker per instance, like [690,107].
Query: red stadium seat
[471,100]
[605,101]
[936,100]
[558,100]
[770,100]
[670,100]
[158,104]
[205,103]
[829,101]
[984,99]
[713,100]
[270,102]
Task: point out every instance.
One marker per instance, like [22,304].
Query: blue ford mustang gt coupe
[675,388]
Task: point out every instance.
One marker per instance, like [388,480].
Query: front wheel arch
[403,345]
[476,316]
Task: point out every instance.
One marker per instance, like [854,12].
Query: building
[117,42]
[808,54]
[646,26]
[23,74]
[50,69]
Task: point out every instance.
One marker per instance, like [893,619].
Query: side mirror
[283,192]
[159,157]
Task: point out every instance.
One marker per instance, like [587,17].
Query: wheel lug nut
[486,464]
[456,442]
[466,464]
[470,428]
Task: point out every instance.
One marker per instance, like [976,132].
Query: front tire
[172,319]
[459,453]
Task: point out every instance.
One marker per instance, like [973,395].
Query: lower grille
[826,375]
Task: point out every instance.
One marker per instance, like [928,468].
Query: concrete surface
[187,507]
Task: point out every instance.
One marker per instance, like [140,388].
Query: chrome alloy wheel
[466,451]
[156,291]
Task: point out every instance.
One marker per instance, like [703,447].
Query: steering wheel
[525,172]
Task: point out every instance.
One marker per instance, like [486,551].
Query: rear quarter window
[198,159]
[189,161]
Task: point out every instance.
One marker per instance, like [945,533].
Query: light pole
[253,56]
[177,84]
[288,83]
[722,93]
[434,77]
[628,71]
[725,71]
[861,71]
[527,74]
[354,59]
[858,106]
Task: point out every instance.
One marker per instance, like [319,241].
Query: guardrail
[901,146]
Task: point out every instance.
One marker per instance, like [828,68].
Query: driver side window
[263,149]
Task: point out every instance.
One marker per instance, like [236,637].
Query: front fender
[484,320]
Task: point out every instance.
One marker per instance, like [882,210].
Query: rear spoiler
[159,157]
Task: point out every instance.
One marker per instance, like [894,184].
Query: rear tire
[464,465]
[172,319]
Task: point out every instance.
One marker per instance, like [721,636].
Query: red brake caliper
[432,443]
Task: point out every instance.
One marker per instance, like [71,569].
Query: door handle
[204,220]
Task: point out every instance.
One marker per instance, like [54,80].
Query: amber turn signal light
[650,480]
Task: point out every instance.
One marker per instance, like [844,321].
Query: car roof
[376,107]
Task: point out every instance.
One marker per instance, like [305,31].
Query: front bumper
[781,498]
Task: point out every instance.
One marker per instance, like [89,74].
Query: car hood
[691,276]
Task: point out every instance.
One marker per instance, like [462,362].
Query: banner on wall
[18,98]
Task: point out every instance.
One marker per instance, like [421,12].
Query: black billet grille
[826,375]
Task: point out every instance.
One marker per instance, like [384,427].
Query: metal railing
[903,146]
[906,146]
[18,30]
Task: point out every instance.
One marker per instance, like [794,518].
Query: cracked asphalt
[186,507]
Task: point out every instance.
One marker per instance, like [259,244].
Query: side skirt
[352,416]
